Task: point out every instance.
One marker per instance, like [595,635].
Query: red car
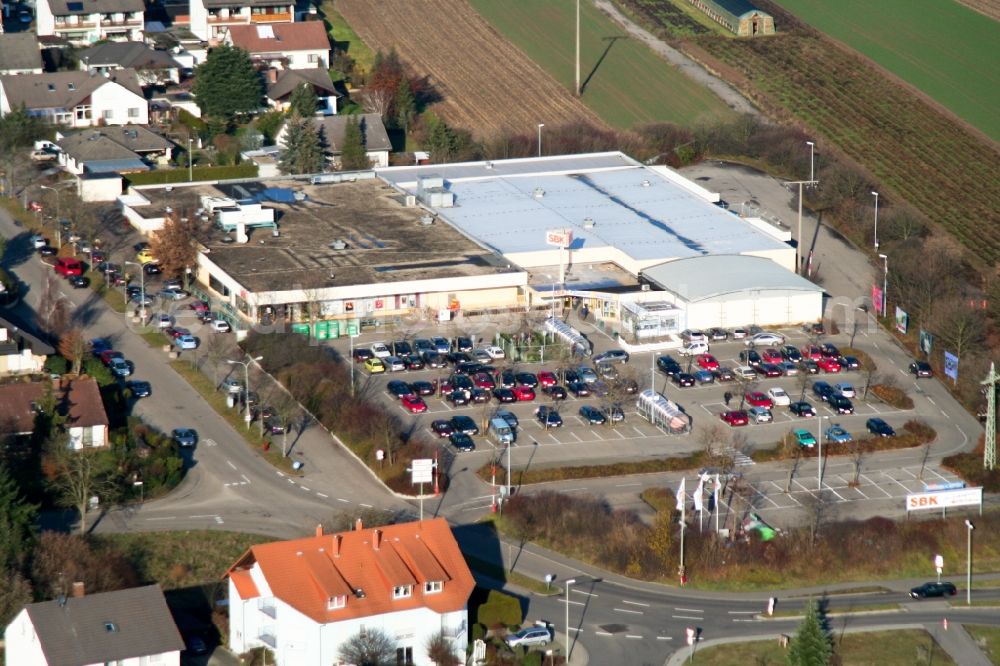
[758,399]
[67,266]
[827,364]
[201,307]
[707,362]
[362,355]
[484,381]
[523,393]
[735,418]
[546,378]
[109,354]
[414,404]
[812,351]
[771,356]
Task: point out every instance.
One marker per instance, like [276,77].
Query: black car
[457,357]
[413,362]
[464,424]
[555,392]
[139,389]
[629,386]
[592,415]
[442,428]
[47,251]
[921,369]
[508,416]
[823,391]
[459,397]
[479,396]
[840,404]
[809,366]
[273,425]
[433,360]
[526,379]
[579,389]
[829,351]
[504,395]
[423,388]
[934,590]
[717,334]
[879,427]
[185,437]
[849,362]
[791,354]
[548,417]
[78,281]
[683,379]
[802,408]
[506,379]
[398,388]
[462,441]
[724,374]
[668,365]
[769,370]
[750,357]
[469,367]
[571,376]
[401,348]
[463,344]
[152,269]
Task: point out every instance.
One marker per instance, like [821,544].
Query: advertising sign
[926,342]
[559,237]
[944,499]
[951,366]
[422,470]
[902,320]
[877,299]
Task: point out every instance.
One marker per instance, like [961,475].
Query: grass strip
[544,474]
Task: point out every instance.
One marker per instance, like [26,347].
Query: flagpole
[717,484]
[681,501]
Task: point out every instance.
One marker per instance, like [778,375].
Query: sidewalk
[959,644]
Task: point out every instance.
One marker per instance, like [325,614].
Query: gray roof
[510,204]
[127,54]
[100,143]
[700,278]
[372,129]
[247,3]
[77,633]
[18,338]
[69,7]
[290,79]
[19,50]
[62,90]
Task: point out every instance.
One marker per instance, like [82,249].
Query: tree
[63,559]
[79,476]
[73,347]
[441,141]
[174,246]
[226,84]
[15,592]
[373,647]
[53,309]
[303,101]
[811,645]
[352,154]
[303,149]
[439,650]
[19,129]
[405,104]
[17,522]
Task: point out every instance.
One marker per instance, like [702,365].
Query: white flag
[718,488]
[698,492]
[680,496]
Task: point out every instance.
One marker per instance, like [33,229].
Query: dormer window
[334,603]
[402,591]
[71,86]
[433,586]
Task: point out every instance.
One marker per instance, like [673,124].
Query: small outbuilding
[740,16]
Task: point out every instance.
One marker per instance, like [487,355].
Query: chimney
[78,589]
[358,526]
[378,539]
[337,540]
[319,530]
[272,76]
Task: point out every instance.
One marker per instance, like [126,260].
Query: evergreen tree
[226,84]
[303,101]
[17,523]
[405,104]
[303,149]
[441,141]
[811,645]
[19,129]
[352,154]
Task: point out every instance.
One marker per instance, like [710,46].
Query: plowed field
[488,85]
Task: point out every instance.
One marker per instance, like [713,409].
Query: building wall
[23,363]
[199,19]
[98,437]
[45,22]
[301,59]
[105,188]
[765,308]
[121,103]
[21,644]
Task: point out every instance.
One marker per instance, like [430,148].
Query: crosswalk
[739,458]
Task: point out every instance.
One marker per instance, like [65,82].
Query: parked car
[592,415]
[804,438]
[764,339]
[172,295]
[186,342]
[433,360]
[790,353]
[459,397]
[693,335]
[812,352]
[164,321]
[579,389]
[771,355]
[508,416]
[717,335]
[683,379]
[822,390]
[38,241]
[758,399]
[547,378]
[483,380]
[554,392]
[850,363]
[778,396]
[707,362]
[829,350]
[840,404]
[769,370]
[504,395]
[361,355]
[693,349]
[548,417]
[495,353]
[185,437]
[837,434]
[921,369]
[441,345]
[802,409]
[761,414]
[788,369]
[844,389]
[462,441]
[401,348]
[78,281]
[809,366]
[523,393]
[481,356]
[744,372]
[463,344]
[120,367]
[530,637]
[828,365]
[221,326]
[442,427]
[479,396]
[586,374]
[668,365]
[704,377]
[421,345]
[735,417]
[423,387]
[139,389]
[750,357]
[413,404]
[934,590]
[398,388]
[612,356]
[374,365]
[151,269]
[67,266]
[394,364]
[877,426]
[381,350]
[462,423]
[724,374]
[526,379]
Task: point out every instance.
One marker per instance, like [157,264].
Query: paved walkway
[957,642]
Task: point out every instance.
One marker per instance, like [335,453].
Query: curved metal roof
[700,278]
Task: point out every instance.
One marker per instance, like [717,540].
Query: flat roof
[385,240]
[701,278]
[604,276]
[606,199]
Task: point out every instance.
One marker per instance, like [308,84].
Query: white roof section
[648,214]
[701,278]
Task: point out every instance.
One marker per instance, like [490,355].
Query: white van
[501,431]
[693,349]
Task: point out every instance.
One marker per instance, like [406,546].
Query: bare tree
[174,245]
[960,328]
[793,465]
[376,100]
[818,507]
[370,647]
[73,347]
[440,651]
[857,449]
[80,477]
[53,309]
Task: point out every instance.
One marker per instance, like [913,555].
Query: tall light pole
[875,194]
[798,239]
[540,126]
[576,90]
[885,280]
[819,458]
[568,648]
[246,386]
[812,159]
[190,162]
[142,288]
[968,564]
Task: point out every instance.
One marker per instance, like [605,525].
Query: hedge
[167,176]
[499,609]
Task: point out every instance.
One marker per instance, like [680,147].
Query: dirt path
[689,67]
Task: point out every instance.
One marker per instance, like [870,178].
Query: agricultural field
[944,49]
[941,168]
[487,85]
[625,82]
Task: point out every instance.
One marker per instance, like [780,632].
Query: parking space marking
[872,484]
[574,435]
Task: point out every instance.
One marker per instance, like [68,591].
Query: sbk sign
[944,499]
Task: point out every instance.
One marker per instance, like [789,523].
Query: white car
[778,396]
[844,389]
[765,340]
[381,350]
[693,335]
[233,386]
[163,321]
[220,326]
[693,349]
[186,342]
[745,372]
[495,352]
[38,241]
[532,636]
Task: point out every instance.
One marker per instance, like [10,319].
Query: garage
[736,290]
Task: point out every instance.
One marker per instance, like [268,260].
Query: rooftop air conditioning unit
[644,287]
[538,193]
[588,223]
[411,200]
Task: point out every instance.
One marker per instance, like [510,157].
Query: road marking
[689,610]
[572,603]
[638,432]
[602,633]
[663,638]
[573,434]
[743,619]
[626,485]
[209,442]
[931,400]
[231,464]
[632,636]
[322,495]
[945,414]
[687,617]
[339,499]
[292,481]
[164,518]
[279,473]
[305,489]
[207,515]
[742,612]
[367,506]
[626,610]
[219,520]
[635,603]
[589,594]
[245,478]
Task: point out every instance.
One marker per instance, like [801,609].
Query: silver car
[765,339]
[532,636]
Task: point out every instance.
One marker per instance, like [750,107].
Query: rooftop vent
[538,193]
[645,183]
[489,165]
[111,627]
[359,593]
[411,200]
[588,223]
[338,245]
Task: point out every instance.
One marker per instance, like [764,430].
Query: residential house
[153,66]
[77,399]
[212,19]
[83,22]
[131,627]
[20,352]
[332,129]
[125,149]
[20,54]
[281,83]
[303,45]
[77,99]
[305,598]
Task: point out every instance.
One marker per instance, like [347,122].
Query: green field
[943,48]
[631,84]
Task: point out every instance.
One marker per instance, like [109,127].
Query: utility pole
[577,89]
[990,448]
[798,239]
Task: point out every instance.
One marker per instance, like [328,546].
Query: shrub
[56,365]
[166,176]
[500,609]
[478,632]
[969,466]
[893,396]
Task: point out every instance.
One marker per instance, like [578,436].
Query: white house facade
[84,22]
[77,99]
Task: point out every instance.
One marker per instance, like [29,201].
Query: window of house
[402,591]
[107,114]
[133,112]
[82,112]
[313,58]
[433,586]
[404,656]
[336,602]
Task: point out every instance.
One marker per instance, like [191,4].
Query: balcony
[279,17]
[268,608]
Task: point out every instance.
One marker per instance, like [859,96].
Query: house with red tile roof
[305,598]
[303,45]
[78,400]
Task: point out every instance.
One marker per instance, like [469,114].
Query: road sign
[352,329]
[690,635]
[939,562]
[422,470]
[944,499]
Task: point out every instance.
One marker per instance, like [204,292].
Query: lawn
[943,48]
[630,84]
[988,638]
[884,648]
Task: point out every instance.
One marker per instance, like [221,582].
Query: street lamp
[885,280]
[812,160]
[968,564]
[246,377]
[819,458]
[142,288]
[190,162]
[568,648]
[875,194]
[540,126]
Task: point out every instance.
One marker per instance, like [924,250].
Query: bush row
[180,175]
[543,474]
[913,433]
[969,466]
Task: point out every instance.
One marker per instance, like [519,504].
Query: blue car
[704,377]
[838,435]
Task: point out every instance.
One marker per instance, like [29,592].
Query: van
[501,431]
